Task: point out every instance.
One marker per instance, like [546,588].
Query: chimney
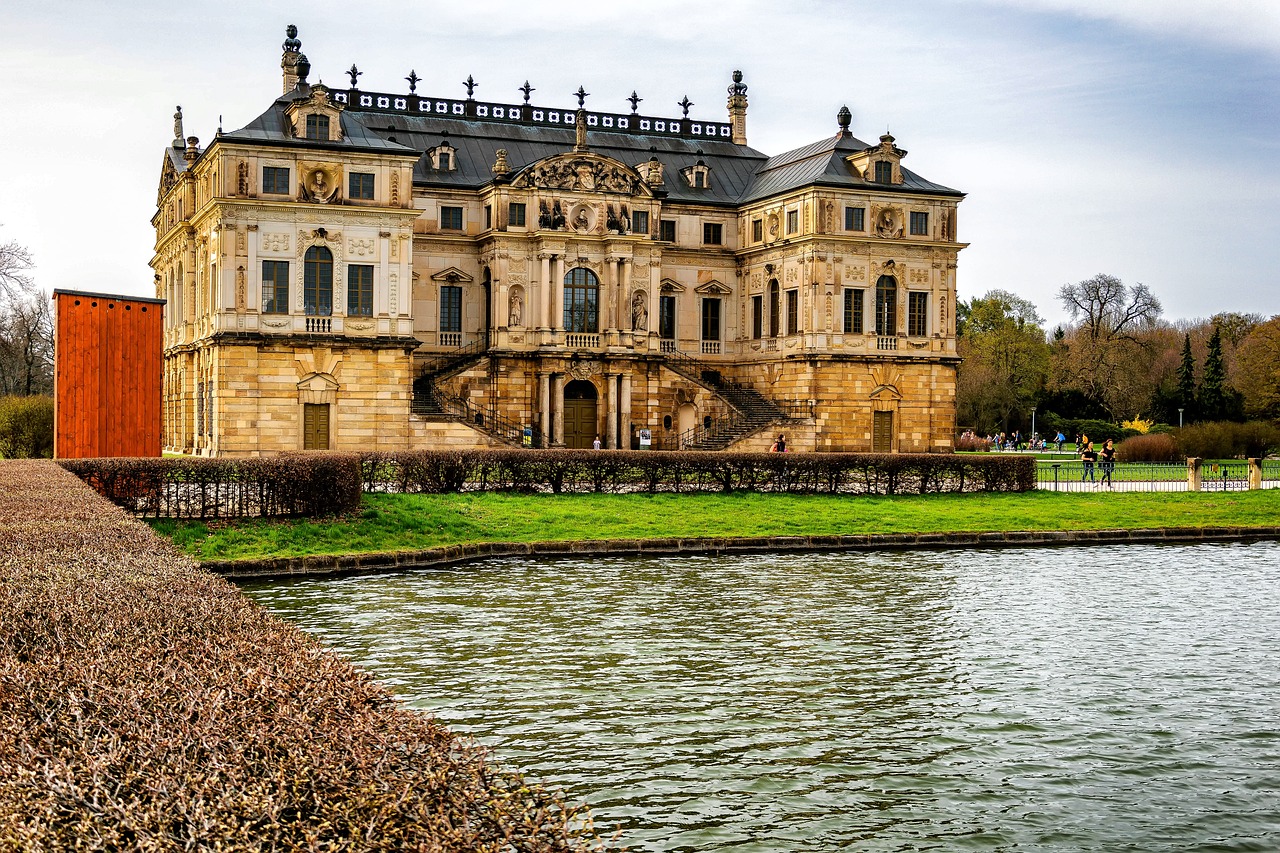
[289,60]
[738,109]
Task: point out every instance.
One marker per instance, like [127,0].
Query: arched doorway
[686,418]
[580,425]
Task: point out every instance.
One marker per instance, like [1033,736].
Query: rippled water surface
[1121,698]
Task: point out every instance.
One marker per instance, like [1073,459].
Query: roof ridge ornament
[413,79]
[292,44]
[582,96]
[355,73]
[844,117]
[635,101]
[526,88]
[684,103]
[179,138]
[471,87]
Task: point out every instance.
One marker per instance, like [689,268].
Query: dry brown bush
[1153,447]
[147,705]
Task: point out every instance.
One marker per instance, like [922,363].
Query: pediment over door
[452,275]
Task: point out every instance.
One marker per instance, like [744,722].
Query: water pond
[1122,698]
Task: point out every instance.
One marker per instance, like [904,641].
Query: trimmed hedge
[617,471]
[291,484]
[147,705]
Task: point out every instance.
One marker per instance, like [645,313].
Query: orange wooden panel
[108,379]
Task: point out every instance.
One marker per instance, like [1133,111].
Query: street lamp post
[1033,423]
[1179,418]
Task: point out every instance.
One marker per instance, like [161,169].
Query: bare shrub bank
[147,705]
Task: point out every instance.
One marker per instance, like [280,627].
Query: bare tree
[15,262]
[1110,351]
[26,344]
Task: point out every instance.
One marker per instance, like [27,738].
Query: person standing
[1107,458]
[595,445]
[1088,456]
[779,446]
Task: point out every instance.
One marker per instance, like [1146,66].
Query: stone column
[655,288]
[624,294]
[557,417]
[557,294]
[611,288]
[544,400]
[253,272]
[611,413]
[624,411]
[544,294]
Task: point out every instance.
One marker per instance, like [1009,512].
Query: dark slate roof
[823,163]
[738,173]
[272,127]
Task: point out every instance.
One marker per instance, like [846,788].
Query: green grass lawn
[414,522]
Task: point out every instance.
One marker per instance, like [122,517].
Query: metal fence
[1077,476]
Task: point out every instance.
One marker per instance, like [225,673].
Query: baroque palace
[365,270]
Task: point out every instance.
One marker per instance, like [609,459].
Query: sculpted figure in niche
[639,312]
[544,215]
[887,224]
[515,315]
[318,188]
[581,220]
[242,178]
[557,216]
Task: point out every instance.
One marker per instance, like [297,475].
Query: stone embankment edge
[454,555]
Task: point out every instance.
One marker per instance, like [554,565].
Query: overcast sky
[1132,137]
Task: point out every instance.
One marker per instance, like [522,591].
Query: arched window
[775,327]
[886,305]
[317,281]
[581,301]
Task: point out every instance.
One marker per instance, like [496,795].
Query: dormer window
[697,176]
[884,172]
[444,157]
[318,127]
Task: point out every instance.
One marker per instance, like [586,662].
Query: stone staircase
[427,398]
[750,411]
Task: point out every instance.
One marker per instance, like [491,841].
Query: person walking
[1088,456]
[1107,459]
[1061,440]
[779,446]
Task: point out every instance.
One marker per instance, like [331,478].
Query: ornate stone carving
[582,218]
[320,182]
[581,173]
[241,300]
[917,276]
[584,369]
[515,308]
[500,164]
[887,222]
[359,325]
[395,189]
[361,247]
[275,242]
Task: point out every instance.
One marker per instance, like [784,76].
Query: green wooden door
[315,426]
[882,432]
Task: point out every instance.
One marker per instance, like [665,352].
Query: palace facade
[362,270]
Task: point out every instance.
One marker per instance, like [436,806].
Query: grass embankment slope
[418,522]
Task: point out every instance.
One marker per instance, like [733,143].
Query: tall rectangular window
[275,287]
[488,216]
[712,233]
[515,214]
[360,185]
[359,290]
[793,221]
[918,314]
[855,219]
[451,218]
[757,230]
[667,230]
[275,180]
[667,317]
[317,127]
[853,322]
[450,308]
[793,311]
[757,316]
[919,223]
[640,221]
[710,319]
[884,172]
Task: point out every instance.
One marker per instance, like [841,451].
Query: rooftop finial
[684,103]
[844,117]
[292,44]
[302,68]
[179,138]
[471,87]
[290,58]
[413,79]
[737,88]
[526,88]
[582,96]
[355,74]
[635,100]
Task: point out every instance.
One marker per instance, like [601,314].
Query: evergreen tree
[1213,397]
[1187,380]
